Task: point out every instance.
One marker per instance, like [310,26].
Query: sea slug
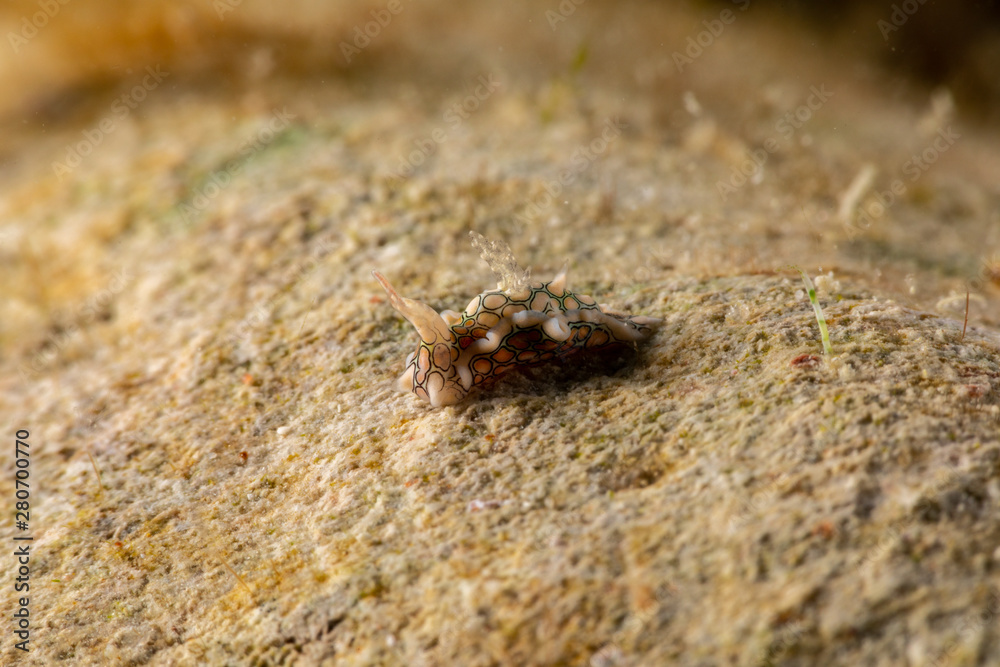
[520,323]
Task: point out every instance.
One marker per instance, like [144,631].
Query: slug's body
[500,329]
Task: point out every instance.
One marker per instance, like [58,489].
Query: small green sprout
[811,290]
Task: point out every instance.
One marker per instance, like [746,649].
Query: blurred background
[701,86]
[193,196]
[59,52]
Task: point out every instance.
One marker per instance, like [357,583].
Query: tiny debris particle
[976,390]
[479,505]
[805,361]
[824,529]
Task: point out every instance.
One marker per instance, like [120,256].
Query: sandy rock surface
[222,471]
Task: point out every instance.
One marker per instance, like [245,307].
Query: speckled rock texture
[223,473]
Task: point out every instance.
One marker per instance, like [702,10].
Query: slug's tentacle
[557,287]
[429,325]
[450,317]
[515,325]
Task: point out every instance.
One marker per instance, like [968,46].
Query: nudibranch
[521,323]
